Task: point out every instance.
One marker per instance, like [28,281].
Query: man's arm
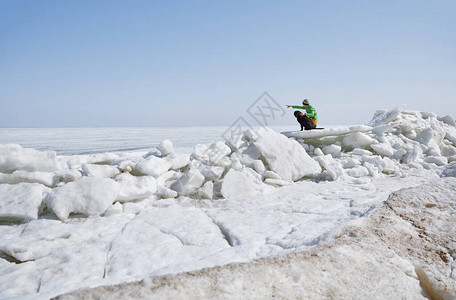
[296,106]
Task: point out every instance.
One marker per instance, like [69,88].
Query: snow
[90,196]
[383,149]
[13,157]
[211,172]
[21,201]
[387,256]
[334,150]
[240,183]
[45,178]
[135,187]
[309,212]
[102,171]
[207,190]
[357,140]
[166,148]
[178,161]
[282,155]
[327,131]
[382,117]
[153,165]
[189,182]
[333,167]
[450,170]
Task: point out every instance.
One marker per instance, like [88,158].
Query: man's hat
[305,102]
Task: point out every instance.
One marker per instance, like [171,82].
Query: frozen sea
[90,140]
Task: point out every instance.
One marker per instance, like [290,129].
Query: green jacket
[310,111]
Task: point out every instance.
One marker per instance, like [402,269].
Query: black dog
[304,121]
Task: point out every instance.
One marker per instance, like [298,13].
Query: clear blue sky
[197,63]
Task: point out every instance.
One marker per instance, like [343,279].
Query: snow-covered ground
[399,252]
[78,221]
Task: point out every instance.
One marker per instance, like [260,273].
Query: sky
[204,63]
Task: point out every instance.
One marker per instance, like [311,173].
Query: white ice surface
[385,256]
[21,201]
[283,156]
[173,238]
[13,157]
[90,196]
[327,131]
[264,195]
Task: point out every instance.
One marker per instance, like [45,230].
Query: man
[310,119]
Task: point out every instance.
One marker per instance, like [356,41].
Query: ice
[271,175]
[383,149]
[386,116]
[439,160]
[450,170]
[211,172]
[386,256]
[361,152]
[333,167]
[338,131]
[166,148]
[65,176]
[334,150]
[21,202]
[102,171]
[240,183]
[44,178]
[153,165]
[76,161]
[53,257]
[431,139]
[106,218]
[168,178]
[89,196]
[214,154]
[189,182]
[185,236]
[115,209]
[399,153]
[448,120]
[358,171]
[207,190]
[284,156]
[178,161]
[448,150]
[350,163]
[13,157]
[259,167]
[357,140]
[135,187]
[414,154]
[165,192]
[132,208]
[277,182]
[318,152]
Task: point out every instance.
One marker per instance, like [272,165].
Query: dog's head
[297,113]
